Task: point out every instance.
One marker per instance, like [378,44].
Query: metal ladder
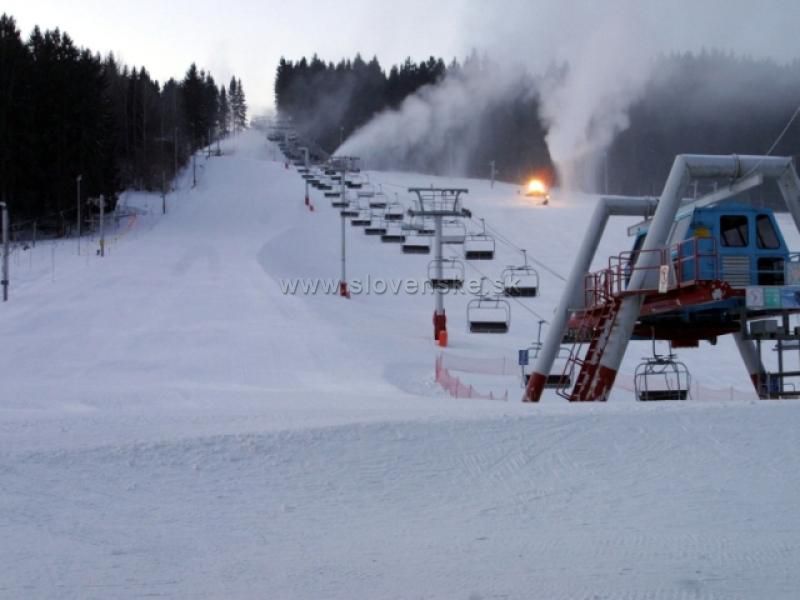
[596,328]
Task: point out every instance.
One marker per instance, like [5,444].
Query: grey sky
[249,36]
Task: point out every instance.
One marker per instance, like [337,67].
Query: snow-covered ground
[173,425]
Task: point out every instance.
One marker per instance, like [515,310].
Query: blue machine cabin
[714,254]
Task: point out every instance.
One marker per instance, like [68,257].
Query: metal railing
[689,261]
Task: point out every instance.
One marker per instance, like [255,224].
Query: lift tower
[438,203]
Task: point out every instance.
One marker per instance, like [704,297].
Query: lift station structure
[698,270]
[438,204]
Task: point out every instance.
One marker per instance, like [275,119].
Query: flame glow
[536,187]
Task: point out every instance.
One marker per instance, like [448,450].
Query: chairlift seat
[452,275]
[375,228]
[416,247]
[520,282]
[488,314]
[394,212]
[453,232]
[362,219]
[378,200]
[655,395]
[661,378]
[479,247]
[393,237]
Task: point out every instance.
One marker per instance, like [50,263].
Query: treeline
[66,112]
[329,101]
[705,103]
[711,102]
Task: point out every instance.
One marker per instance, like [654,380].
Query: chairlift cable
[775,143]
[485,276]
[512,245]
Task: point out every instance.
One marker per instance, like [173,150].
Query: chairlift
[453,231]
[559,376]
[394,234]
[452,274]
[521,281]
[479,246]
[378,200]
[661,377]
[377,226]
[419,226]
[353,184]
[351,210]
[332,194]
[488,313]
[366,192]
[417,244]
[362,219]
[394,211]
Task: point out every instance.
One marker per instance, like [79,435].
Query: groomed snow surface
[173,425]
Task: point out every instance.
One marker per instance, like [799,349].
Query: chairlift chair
[377,226]
[353,184]
[367,191]
[362,219]
[394,234]
[378,200]
[479,246]
[417,244]
[661,377]
[351,210]
[453,231]
[427,228]
[521,281]
[558,377]
[452,276]
[488,313]
[394,212]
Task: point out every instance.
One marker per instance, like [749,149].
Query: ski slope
[173,425]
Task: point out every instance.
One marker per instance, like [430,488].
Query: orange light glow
[536,187]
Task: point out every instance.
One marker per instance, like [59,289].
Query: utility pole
[343,291]
[102,201]
[492,171]
[78,181]
[163,192]
[305,160]
[194,169]
[175,155]
[4,281]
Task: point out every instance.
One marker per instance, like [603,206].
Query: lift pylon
[438,204]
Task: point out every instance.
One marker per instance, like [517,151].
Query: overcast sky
[247,37]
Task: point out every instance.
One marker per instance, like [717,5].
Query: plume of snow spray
[607,63]
[586,106]
[435,128]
